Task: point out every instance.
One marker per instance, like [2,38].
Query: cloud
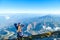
[57,28]
[33,32]
[35,23]
[55,39]
[49,28]
[44,27]
[7,17]
[42,11]
[29,27]
[8,34]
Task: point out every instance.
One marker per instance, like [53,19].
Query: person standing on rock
[19,31]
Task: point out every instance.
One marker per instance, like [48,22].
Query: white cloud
[57,28]
[44,27]
[49,28]
[34,24]
[8,34]
[7,17]
[33,32]
[55,39]
[29,28]
[43,11]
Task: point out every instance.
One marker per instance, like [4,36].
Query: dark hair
[18,23]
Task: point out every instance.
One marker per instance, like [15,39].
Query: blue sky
[30,6]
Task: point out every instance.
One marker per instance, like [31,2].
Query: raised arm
[16,26]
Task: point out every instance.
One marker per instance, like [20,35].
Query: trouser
[19,36]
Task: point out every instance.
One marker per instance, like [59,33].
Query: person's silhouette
[19,31]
